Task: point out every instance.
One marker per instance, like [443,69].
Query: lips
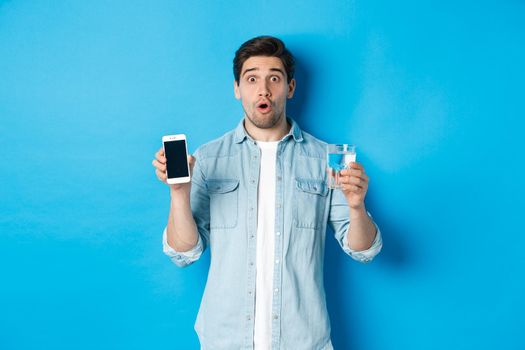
[264,106]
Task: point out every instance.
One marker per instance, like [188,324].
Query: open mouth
[264,107]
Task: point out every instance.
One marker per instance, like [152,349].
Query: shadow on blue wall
[297,106]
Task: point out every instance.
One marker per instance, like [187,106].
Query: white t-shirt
[265,246]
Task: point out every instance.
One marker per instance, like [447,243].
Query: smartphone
[176,152]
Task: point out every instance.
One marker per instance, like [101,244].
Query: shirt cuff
[182,258]
[365,256]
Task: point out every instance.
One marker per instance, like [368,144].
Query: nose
[264,90]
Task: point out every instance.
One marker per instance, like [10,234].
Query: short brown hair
[264,46]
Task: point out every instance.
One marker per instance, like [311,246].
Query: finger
[159,165]
[191,162]
[355,165]
[354,172]
[160,175]
[363,178]
[352,180]
[351,171]
[351,188]
[161,159]
[160,155]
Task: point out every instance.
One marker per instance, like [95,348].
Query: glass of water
[338,158]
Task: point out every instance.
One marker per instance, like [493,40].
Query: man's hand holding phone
[160,170]
[173,165]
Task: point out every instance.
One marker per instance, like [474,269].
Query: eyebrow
[255,69]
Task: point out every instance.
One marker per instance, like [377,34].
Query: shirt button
[248,318]
[278,178]
[276,290]
[251,263]
[278,233]
[275,317]
[277,261]
[252,181]
[252,236]
[278,205]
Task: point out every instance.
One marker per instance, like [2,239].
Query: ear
[291,88]
[236,90]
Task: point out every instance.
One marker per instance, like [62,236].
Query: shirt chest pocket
[224,202]
[310,202]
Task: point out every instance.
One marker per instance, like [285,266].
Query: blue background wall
[431,93]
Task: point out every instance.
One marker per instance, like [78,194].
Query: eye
[251,79]
[275,79]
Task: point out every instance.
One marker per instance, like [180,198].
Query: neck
[275,133]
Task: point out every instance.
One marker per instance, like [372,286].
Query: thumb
[191,162]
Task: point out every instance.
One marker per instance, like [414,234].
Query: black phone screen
[176,158]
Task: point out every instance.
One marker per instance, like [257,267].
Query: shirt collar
[295,132]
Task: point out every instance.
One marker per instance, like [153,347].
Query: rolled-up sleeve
[339,221]
[182,259]
[364,256]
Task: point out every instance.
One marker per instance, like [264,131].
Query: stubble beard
[263,122]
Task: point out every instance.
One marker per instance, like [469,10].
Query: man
[259,199]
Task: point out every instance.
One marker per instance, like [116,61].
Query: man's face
[263,90]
